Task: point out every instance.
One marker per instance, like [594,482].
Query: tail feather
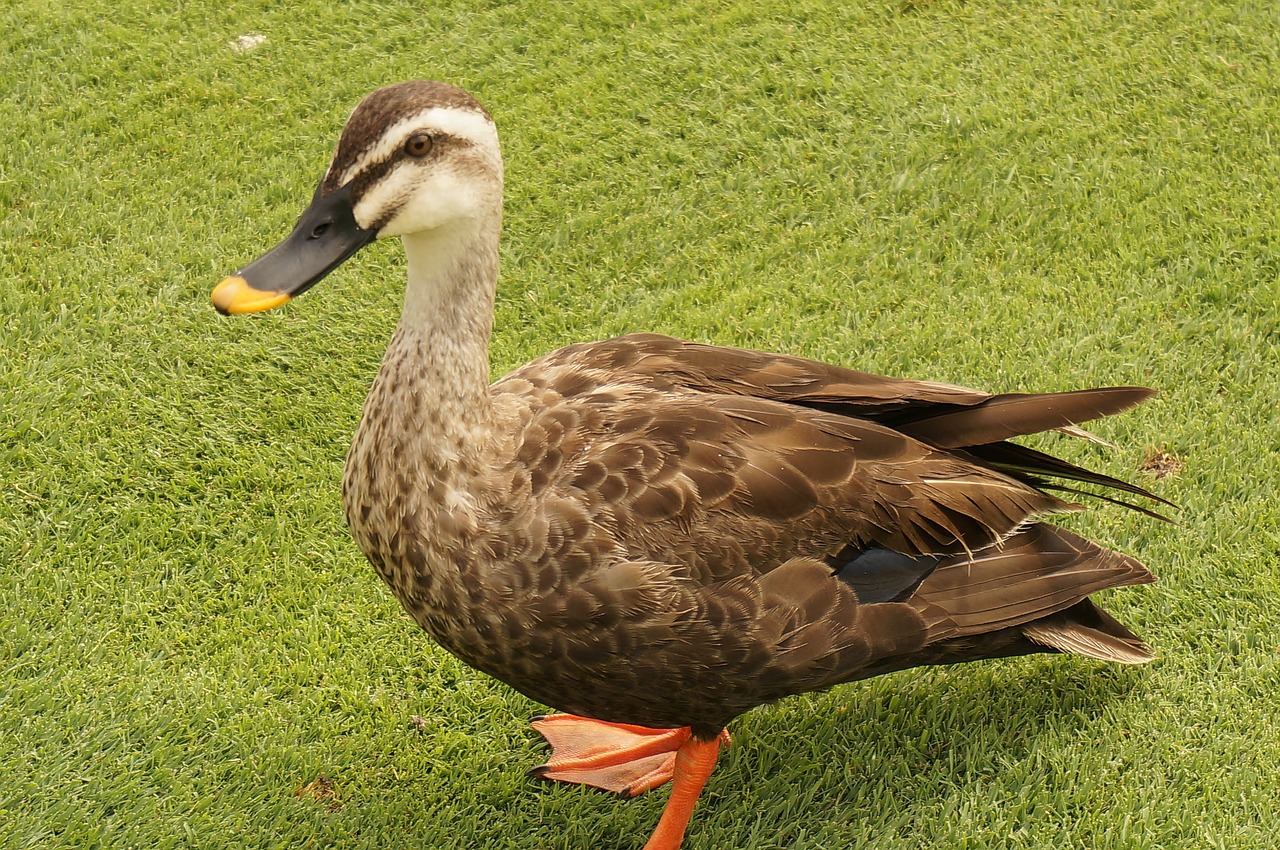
[1085,629]
[1038,573]
[1018,460]
[1010,415]
[1075,491]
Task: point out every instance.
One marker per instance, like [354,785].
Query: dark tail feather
[1015,414]
[1075,491]
[1085,629]
[1014,458]
[1035,574]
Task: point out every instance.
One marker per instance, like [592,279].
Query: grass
[1028,195]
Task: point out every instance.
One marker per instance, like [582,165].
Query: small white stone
[246,43]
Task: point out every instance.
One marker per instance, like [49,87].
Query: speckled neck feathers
[435,374]
[426,423]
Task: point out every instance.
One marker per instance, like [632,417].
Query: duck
[651,535]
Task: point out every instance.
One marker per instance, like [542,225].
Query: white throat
[453,273]
[448,318]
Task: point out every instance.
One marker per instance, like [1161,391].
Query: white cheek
[441,200]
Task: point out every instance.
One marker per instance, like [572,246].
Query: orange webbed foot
[617,757]
[630,760]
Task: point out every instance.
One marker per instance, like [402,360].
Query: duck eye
[419,144]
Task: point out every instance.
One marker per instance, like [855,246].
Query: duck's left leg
[694,762]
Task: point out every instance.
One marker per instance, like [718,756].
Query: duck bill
[325,236]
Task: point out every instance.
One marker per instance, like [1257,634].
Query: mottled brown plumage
[646,547]
[655,532]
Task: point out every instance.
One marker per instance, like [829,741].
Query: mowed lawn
[1034,195]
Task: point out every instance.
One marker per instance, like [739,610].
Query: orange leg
[693,765]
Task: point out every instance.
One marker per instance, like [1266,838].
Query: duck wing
[943,415]
[727,485]
[703,551]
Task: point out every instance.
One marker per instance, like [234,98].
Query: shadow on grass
[890,751]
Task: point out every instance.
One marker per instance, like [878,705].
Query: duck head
[414,158]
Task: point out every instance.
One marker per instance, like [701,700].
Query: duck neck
[429,409]
[447,320]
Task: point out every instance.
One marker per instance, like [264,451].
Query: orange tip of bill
[235,295]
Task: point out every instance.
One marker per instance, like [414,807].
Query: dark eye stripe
[375,171]
[370,175]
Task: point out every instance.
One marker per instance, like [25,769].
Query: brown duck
[653,535]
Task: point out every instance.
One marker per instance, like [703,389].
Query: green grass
[1026,195]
